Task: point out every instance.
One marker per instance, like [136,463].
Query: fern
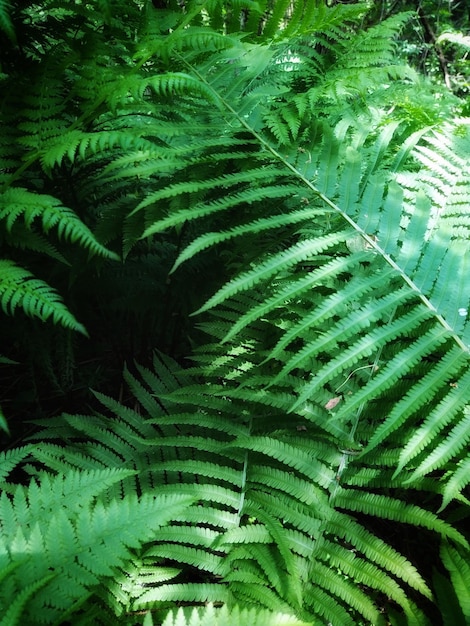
[19,288]
[332,390]
[5,20]
[402,209]
[15,202]
[224,617]
[52,530]
[265,552]
[457,565]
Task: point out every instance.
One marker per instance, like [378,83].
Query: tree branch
[430,37]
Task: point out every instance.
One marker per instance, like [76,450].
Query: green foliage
[63,535]
[5,20]
[271,169]
[19,288]
[452,595]
[275,524]
[456,562]
[224,617]
[379,228]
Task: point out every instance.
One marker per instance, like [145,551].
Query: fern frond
[384,556]
[5,20]
[211,239]
[16,202]
[298,253]
[186,592]
[393,509]
[78,144]
[446,600]
[327,607]
[457,482]
[294,289]
[456,561]
[400,203]
[247,197]
[24,238]
[376,45]
[234,616]
[454,443]
[10,459]
[258,551]
[14,614]
[57,525]
[19,288]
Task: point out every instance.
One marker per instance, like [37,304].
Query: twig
[430,37]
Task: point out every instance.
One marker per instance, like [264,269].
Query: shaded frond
[20,289]
[16,202]
[5,20]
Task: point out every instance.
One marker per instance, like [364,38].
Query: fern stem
[243,487]
[244,476]
[358,369]
[346,452]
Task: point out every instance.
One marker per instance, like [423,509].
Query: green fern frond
[457,482]
[367,574]
[56,526]
[24,238]
[294,289]
[19,288]
[14,614]
[245,197]
[327,607]
[347,592]
[399,205]
[454,443]
[447,601]
[238,530]
[234,616]
[185,592]
[167,84]
[5,20]
[447,369]
[16,202]
[393,509]
[225,182]
[383,555]
[76,143]
[456,561]
[298,253]
[376,45]
[10,459]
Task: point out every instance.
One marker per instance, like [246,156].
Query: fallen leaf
[332,403]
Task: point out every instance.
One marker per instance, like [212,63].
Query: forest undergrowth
[234,281]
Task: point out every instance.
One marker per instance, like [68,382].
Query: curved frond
[456,561]
[19,288]
[5,20]
[16,202]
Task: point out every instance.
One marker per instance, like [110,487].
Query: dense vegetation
[235,338]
